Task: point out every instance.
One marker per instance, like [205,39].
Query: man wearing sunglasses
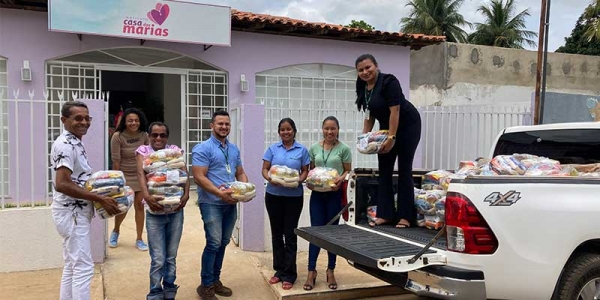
[214,162]
[72,208]
[164,226]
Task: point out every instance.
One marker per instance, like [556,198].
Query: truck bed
[355,244]
[414,234]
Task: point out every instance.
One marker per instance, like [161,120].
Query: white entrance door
[62,80]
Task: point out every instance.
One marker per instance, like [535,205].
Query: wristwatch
[393,137]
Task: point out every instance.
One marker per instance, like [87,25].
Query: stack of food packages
[370,142]
[524,165]
[242,191]
[165,178]
[111,184]
[431,199]
[284,176]
[322,179]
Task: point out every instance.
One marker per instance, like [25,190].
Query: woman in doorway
[324,206]
[381,97]
[284,204]
[128,137]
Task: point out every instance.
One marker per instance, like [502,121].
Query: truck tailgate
[370,248]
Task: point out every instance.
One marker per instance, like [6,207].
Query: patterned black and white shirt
[68,151]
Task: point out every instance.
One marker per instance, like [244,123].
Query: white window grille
[308,94]
[66,78]
[206,93]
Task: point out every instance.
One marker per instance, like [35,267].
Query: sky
[386,14]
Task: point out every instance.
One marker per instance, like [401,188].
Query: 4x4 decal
[499,199]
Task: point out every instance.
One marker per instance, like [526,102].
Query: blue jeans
[219,221]
[323,207]
[164,234]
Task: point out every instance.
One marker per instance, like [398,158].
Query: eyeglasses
[162,135]
[80,118]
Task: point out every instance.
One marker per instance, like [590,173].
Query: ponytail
[360,94]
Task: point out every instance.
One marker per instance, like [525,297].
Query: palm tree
[592,17]
[436,17]
[502,27]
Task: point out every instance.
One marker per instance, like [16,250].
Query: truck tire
[580,278]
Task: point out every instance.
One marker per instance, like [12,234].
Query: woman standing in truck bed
[381,97]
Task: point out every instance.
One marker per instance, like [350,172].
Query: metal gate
[67,81]
[206,92]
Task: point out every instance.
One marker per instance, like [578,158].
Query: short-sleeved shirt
[145,150]
[386,93]
[212,154]
[294,158]
[68,151]
[333,158]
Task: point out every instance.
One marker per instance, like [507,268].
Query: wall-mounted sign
[168,20]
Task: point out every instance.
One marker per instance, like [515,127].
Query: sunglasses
[80,118]
[162,135]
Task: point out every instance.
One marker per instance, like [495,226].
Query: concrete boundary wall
[463,74]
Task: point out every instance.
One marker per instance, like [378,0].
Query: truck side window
[569,146]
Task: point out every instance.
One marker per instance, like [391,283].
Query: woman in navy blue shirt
[381,97]
[284,204]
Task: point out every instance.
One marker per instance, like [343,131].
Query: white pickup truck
[506,237]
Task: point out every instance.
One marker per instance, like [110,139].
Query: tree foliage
[503,27]
[360,24]
[579,42]
[436,17]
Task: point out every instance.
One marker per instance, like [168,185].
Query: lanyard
[368,96]
[323,154]
[225,153]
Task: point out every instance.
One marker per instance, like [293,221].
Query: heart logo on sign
[159,14]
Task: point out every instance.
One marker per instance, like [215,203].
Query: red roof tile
[278,20]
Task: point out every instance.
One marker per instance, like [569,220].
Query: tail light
[466,230]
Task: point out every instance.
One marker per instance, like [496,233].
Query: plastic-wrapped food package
[423,207]
[107,178]
[434,222]
[431,196]
[372,213]
[166,191]
[164,158]
[108,190]
[508,165]
[322,179]
[487,170]
[436,180]
[242,191]
[370,142]
[466,168]
[590,174]
[587,168]
[124,201]
[284,176]
[167,177]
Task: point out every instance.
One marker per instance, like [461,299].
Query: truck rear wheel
[580,279]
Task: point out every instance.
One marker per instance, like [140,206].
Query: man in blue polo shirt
[214,162]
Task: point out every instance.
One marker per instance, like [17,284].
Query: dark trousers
[284,213]
[407,140]
[323,207]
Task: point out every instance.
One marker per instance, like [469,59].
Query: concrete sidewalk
[124,275]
